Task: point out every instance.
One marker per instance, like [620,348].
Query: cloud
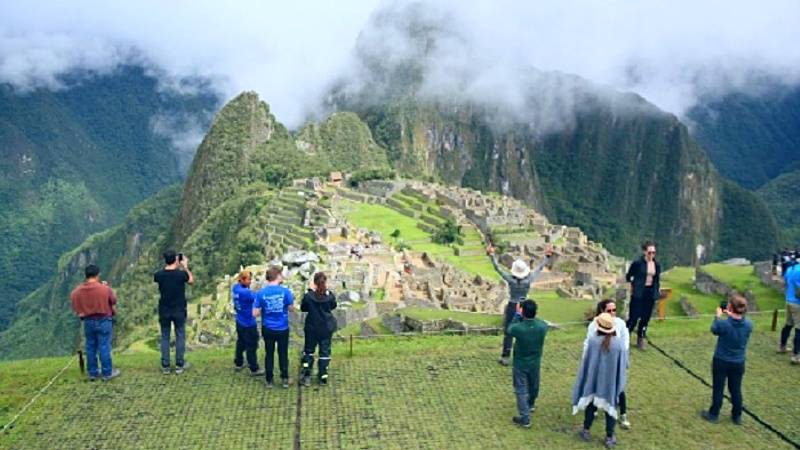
[673,53]
[184,131]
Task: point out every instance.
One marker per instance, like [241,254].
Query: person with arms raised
[93,301]
[172,280]
[519,284]
[320,324]
[273,304]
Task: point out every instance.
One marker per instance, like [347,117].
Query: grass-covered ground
[401,392]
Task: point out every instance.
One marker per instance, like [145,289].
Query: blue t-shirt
[274,303]
[792,278]
[243,298]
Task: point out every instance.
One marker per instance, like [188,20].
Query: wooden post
[774,320]
[81,363]
[351,345]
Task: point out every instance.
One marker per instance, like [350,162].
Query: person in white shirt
[621,328]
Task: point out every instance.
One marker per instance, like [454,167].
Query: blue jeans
[526,388]
[97,333]
[166,323]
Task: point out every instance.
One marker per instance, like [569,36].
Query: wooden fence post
[351,345]
[775,320]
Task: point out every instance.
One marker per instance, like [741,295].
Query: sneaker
[641,344]
[737,420]
[305,381]
[238,368]
[114,374]
[503,360]
[533,408]
[166,370]
[323,380]
[521,423]
[707,415]
[92,377]
[624,423]
[180,369]
[795,359]
[781,349]
[269,385]
[257,373]
[611,441]
[585,435]
[285,383]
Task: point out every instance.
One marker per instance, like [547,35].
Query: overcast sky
[672,52]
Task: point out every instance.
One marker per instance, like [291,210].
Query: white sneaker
[624,423]
[795,359]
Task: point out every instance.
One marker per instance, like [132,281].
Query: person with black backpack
[319,327]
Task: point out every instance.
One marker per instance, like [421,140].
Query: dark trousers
[623,403]
[312,340]
[641,310]
[281,339]
[246,342]
[526,388]
[588,419]
[786,331]
[733,372]
[166,323]
[508,316]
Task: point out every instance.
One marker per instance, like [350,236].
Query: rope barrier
[10,424]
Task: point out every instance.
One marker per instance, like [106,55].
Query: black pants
[623,403]
[508,316]
[588,419]
[312,340]
[733,372]
[641,310]
[786,331]
[281,338]
[246,341]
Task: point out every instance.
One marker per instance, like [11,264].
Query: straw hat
[605,323]
[520,269]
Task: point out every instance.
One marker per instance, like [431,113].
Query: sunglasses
[611,310]
[651,253]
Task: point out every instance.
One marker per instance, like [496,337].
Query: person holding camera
[644,275]
[729,357]
[519,284]
[273,304]
[246,325]
[93,301]
[320,324]
[172,280]
[528,333]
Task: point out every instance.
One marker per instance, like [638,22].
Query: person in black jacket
[320,324]
[644,275]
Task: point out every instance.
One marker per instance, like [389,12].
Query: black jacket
[637,274]
[319,320]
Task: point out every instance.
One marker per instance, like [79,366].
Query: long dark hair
[606,340]
[320,284]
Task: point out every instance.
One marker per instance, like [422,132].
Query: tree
[447,233]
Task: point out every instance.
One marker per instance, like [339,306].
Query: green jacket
[528,342]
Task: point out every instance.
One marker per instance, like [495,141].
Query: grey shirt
[519,287]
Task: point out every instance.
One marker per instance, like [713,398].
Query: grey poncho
[601,376]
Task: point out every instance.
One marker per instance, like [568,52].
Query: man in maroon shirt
[94,302]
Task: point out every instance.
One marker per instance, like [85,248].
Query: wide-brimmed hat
[605,323]
[520,269]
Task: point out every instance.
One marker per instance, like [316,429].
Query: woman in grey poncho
[601,378]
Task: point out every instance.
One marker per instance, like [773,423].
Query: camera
[723,305]
[180,257]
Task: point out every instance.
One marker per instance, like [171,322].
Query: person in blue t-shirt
[273,304]
[791,278]
[246,325]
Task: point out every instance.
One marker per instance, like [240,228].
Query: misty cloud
[672,53]
[184,131]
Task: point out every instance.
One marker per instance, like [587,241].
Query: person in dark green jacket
[528,333]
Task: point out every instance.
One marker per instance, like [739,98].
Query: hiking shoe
[737,420]
[238,368]
[641,344]
[114,374]
[305,381]
[257,373]
[611,441]
[269,385]
[503,360]
[624,423]
[166,370]
[521,423]
[323,379]
[585,435]
[285,383]
[180,369]
[707,415]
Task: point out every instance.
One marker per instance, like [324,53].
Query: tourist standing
[791,278]
[528,333]
[320,324]
[246,325]
[519,284]
[608,306]
[644,275]
[94,302]
[601,379]
[273,304]
[172,280]
[729,356]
